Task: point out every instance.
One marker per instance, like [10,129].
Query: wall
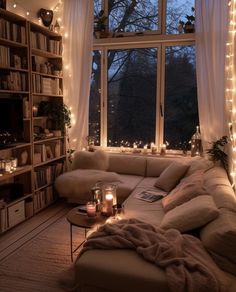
[22,6]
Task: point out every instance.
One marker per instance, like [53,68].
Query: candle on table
[108,204]
[91,209]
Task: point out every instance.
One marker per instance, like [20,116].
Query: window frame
[152,40]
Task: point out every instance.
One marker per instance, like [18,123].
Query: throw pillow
[189,188]
[171,176]
[219,238]
[90,160]
[190,215]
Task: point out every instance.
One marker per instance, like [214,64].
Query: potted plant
[189,25]
[217,152]
[100,25]
[57,112]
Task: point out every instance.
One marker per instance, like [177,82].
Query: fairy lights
[230,91]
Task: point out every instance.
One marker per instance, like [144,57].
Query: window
[132,15]
[144,91]
[94,101]
[181,110]
[132,76]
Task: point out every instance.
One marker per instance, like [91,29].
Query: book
[149,196]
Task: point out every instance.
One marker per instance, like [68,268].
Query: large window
[132,76]
[144,91]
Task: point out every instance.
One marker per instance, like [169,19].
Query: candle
[35,111]
[91,209]
[108,204]
[8,165]
[145,150]
[163,149]
[153,148]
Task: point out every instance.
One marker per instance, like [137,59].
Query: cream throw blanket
[188,266]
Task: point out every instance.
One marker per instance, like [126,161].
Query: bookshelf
[33,154]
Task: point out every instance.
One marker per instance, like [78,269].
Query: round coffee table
[83,221]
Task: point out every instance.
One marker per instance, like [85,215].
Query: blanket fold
[188,266]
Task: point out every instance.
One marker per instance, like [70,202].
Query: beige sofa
[124,270]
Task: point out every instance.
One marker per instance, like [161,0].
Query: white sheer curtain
[211,36]
[77,59]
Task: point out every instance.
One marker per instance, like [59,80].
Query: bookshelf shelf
[24,45]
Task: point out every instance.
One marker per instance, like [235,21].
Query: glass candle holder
[7,165]
[13,163]
[109,199]
[91,209]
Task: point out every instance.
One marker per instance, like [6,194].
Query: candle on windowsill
[91,209]
[145,149]
[153,148]
[163,149]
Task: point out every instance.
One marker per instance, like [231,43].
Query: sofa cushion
[78,183]
[156,165]
[90,160]
[190,215]
[219,238]
[198,163]
[171,176]
[127,164]
[189,188]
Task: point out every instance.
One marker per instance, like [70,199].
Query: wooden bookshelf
[19,39]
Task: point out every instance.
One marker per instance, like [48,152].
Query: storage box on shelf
[31,153]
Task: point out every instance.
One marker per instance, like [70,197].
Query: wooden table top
[82,220]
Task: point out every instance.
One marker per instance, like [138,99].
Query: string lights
[230,91]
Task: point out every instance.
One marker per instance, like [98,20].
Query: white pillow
[90,160]
[171,176]
[190,215]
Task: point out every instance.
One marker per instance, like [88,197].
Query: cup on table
[91,209]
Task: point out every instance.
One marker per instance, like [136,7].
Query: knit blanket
[188,266]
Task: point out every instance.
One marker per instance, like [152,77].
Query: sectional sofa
[198,199]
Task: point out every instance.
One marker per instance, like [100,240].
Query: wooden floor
[22,233]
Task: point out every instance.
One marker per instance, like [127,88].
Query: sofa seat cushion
[126,185]
[151,213]
[219,238]
[171,176]
[188,188]
[119,270]
[191,215]
[78,183]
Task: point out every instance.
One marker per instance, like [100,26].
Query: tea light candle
[13,163]
[8,165]
[163,149]
[108,204]
[35,111]
[153,148]
[145,150]
[91,209]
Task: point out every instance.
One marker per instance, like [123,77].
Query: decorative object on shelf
[26,110]
[35,111]
[3,4]
[23,158]
[217,152]
[58,112]
[46,16]
[189,25]
[196,144]
[14,162]
[57,27]
[91,209]
[56,67]
[100,25]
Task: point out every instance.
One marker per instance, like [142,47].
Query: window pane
[132,78]
[132,15]
[177,11]
[181,108]
[94,102]
[97,7]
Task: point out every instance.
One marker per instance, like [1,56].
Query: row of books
[51,150]
[15,81]
[43,198]
[42,42]
[12,31]
[45,85]
[8,59]
[46,174]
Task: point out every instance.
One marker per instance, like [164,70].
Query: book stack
[41,148]
[12,31]
[15,81]
[45,85]
[43,198]
[4,56]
